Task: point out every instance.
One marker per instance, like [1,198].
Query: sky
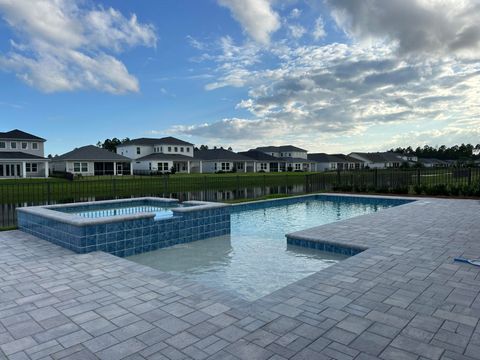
[325,75]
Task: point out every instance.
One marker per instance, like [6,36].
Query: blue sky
[333,76]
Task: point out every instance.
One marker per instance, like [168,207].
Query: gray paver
[403,298]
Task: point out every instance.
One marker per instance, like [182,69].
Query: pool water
[160,211]
[255,260]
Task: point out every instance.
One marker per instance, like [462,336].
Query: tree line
[456,152]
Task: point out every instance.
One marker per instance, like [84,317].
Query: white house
[263,161]
[158,155]
[91,160]
[22,155]
[290,158]
[221,160]
[379,160]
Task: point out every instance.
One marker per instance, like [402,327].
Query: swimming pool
[254,259]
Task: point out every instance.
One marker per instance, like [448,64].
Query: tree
[111,144]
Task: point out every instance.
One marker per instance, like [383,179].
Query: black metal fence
[442,181]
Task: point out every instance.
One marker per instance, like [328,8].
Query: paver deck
[403,298]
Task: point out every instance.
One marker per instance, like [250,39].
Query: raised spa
[125,227]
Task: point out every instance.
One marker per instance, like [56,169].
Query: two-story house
[158,155]
[290,158]
[22,155]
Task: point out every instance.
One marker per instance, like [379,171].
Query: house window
[13,145]
[188,149]
[176,149]
[31,167]
[161,148]
[24,145]
[169,149]
[240,166]
[225,166]
[215,166]
[149,166]
[263,166]
[165,166]
[35,146]
[138,150]
[2,145]
[297,166]
[80,167]
[181,149]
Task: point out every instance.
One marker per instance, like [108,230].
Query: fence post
[114,188]
[49,193]
[165,185]
[238,186]
[375,177]
[469,176]
[418,176]
[307,190]
[264,185]
[205,188]
[339,178]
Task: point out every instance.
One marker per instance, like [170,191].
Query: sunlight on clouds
[255,16]
[63,47]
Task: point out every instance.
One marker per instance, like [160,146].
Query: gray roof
[19,135]
[219,154]
[91,153]
[166,157]
[323,158]
[259,155]
[380,157]
[282,148]
[169,140]
[431,161]
[18,155]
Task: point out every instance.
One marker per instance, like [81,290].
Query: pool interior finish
[255,260]
[161,212]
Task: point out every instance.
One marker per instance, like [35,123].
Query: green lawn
[38,190]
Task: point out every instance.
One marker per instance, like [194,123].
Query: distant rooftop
[282,148]
[380,157]
[93,153]
[219,154]
[169,140]
[19,135]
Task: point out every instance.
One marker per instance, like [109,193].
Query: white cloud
[416,26]
[297,31]
[295,13]
[64,47]
[255,16]
[318,96]
[319,29]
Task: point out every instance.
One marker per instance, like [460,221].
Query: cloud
[297,31]
[415,26]
[319,29]
[65,47]
[256,17]
[342,93]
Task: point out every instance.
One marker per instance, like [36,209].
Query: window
[2,145]
[149,166]
[169,149]
[176,149]
[138,150]
[161,148]
[165,166]
[24,145]
[13,145]
[181,149]
[239,166]
[35,146]
[188,149]
[215,166]
[31,167]
[290,154]
[263,166]
[225,166]
[297,166]
[80,167]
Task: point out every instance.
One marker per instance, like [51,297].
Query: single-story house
[162,163]
[432,163]
[326,162]
[91,160]
[217,160]
[263,161]
[379,160]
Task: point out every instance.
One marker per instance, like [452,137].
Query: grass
[37,191]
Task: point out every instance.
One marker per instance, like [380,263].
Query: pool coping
[49,212]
